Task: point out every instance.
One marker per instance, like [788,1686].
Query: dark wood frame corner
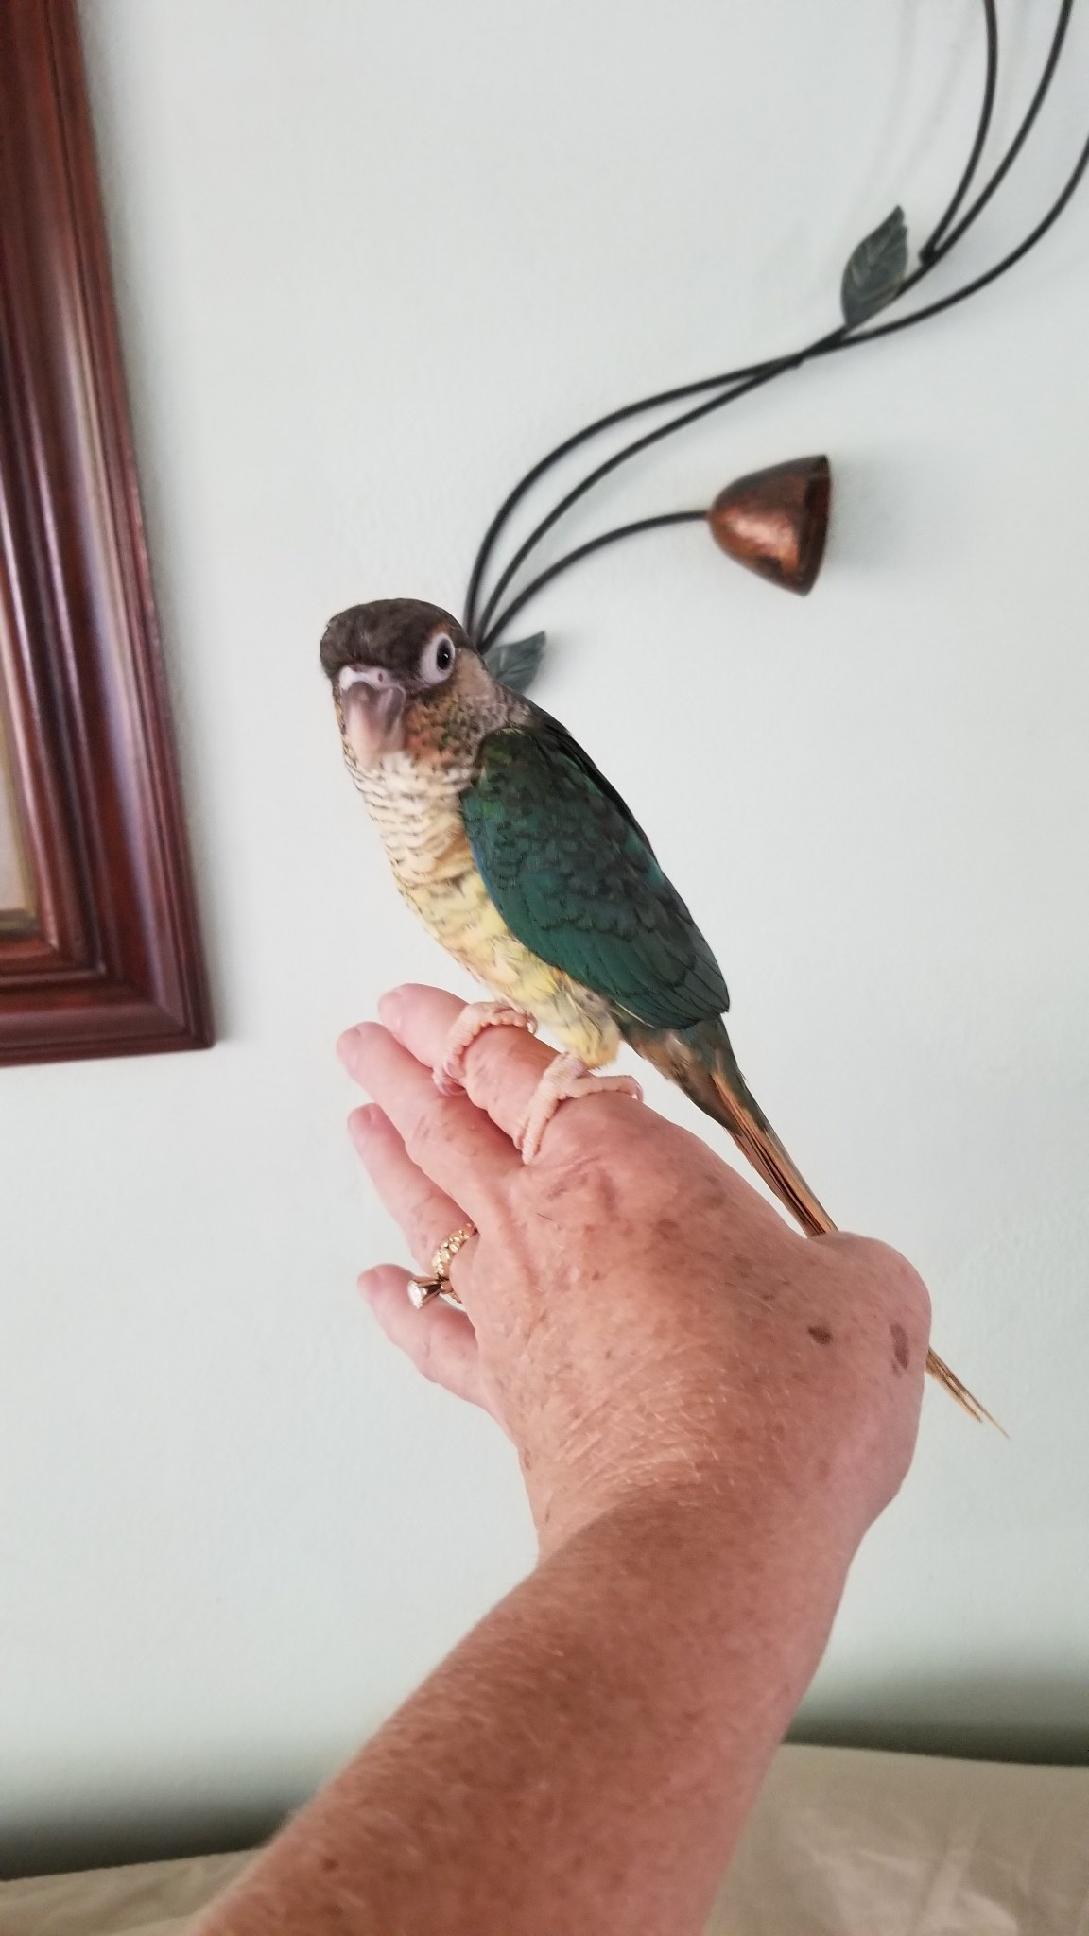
[108,962]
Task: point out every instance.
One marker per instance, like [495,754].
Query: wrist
[702,1553]
[795,1499]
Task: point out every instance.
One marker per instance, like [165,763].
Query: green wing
[574,877]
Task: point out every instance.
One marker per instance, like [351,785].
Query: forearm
[587,1757]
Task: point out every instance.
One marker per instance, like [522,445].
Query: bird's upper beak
[372,706]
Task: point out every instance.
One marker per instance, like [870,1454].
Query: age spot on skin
[819,1333]
[900,1355]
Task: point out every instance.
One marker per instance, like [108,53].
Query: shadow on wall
[980,1717]
[983,1717]
[150,1833]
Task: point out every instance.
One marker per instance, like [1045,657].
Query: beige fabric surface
[842,1843]
[148,1899]
[848,1843]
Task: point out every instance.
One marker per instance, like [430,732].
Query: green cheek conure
[533,873]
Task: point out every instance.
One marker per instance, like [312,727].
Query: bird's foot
[473,1020]
[563,1080]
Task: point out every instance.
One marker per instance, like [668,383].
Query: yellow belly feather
[415,808]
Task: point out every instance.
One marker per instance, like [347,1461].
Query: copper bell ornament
[775,522]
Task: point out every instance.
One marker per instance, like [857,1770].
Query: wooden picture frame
[99,945]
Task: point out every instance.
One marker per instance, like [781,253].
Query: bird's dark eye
[444,657]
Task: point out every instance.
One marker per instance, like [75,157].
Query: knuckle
[884,1260]
[423,1217]
[887,1270]
[436,1124]
[583,1183]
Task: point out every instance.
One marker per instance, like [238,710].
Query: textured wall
[369,261]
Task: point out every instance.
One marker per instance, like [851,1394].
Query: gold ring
[421,1290]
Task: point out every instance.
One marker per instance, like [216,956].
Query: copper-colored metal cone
[775,522]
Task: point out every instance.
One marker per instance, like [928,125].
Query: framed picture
[99,946]
[16,903]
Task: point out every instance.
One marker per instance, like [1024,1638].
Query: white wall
[370,260]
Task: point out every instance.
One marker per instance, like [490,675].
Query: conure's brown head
[405,678]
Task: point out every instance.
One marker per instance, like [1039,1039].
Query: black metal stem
[732,385]
[824,348]
[574,442]
[765,374]
[1023,131]
[996,270]
[583,551]
[930,246]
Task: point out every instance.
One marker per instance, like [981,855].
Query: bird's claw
[565,1079]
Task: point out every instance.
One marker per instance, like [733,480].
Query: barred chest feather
[415,805]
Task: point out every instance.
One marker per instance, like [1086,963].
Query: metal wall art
[773,522]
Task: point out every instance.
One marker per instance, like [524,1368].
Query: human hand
[635,1316]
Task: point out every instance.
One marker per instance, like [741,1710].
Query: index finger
[501,1068]
[446,1136]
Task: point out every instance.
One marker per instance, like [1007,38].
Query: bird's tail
[701,1061]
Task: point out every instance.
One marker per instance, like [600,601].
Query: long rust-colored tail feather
[967,1400]
[701,1061]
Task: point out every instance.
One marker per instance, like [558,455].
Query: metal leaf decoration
[517,663]
[875,270]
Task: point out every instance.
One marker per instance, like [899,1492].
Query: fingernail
[391,1006]
[345,1044]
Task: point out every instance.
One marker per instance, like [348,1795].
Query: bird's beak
[371,704]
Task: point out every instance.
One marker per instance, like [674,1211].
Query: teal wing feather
[575,878]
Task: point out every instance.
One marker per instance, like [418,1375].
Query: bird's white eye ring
[437,659]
